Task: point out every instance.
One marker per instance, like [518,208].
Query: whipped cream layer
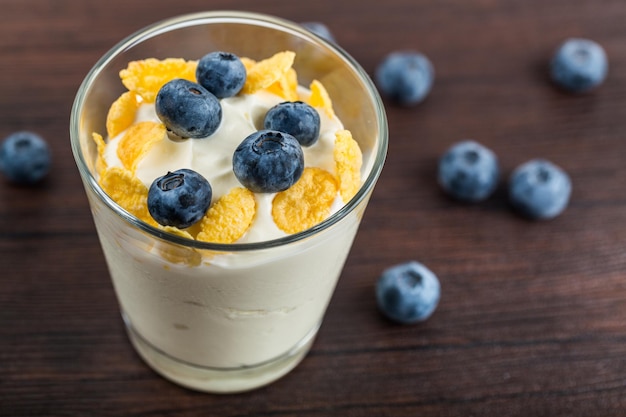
[212,156]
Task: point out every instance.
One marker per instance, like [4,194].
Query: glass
[215,317]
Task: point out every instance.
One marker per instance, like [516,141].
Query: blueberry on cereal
[187,109]
[268,161]
[24,157]
[179,199]
[296,118]
[222,73]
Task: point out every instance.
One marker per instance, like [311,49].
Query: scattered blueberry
[179,198]
[538,189]
[268,161]
[408,292]
[25,157]
[405,77]
[320,30]
[187,109]
[579,65]
[222,73]
[296,118]
[468,171]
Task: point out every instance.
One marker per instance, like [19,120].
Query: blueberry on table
[468,171]
[320,29]
[222,73]
[298,119]
[187,109]
[25,157]
[579,65]
[538,189]
[268,161]
[179,198]
[405,77]
[408,292]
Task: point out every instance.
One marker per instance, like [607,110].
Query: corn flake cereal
[146,77]
[127,191]
[229,218]
[286,86]
[268,71]
[137,141]
[121,113]
[348,161]
[101,164]
[178,254]
[320,98]
[306,203]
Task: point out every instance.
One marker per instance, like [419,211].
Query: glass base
[219,380]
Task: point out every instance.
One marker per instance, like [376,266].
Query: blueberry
[268,161]
[538,189]
[25,157]
[179,198]
[187,109]
[405,77]
[579,65]
[408,292]
[222,73]
[296,118]
[320,30]
[468,171]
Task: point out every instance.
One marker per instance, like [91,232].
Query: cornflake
[146,77]
[348,161]
[127,191]
[137,142]
[122,113]
[320,98]
[306,203]
[229,218]
[268,71]
[101,164]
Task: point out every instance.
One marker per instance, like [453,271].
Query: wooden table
[532,320]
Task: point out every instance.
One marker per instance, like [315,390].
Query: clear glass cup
[215,317]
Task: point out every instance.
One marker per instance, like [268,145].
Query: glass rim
[258,19]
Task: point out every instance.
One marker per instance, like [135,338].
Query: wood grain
[532,320]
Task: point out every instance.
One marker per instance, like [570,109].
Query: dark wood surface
[532,320]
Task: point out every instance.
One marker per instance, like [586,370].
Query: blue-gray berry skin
[468,171]
[408,292]
[405,77]
[320,29]
[25,157]
[222,73]
[539,189]
[187,109]
[179,199]
[268,161]
[298,119]
[579,65]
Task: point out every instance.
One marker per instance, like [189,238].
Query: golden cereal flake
[306,203]
[229,218]
[287,86]
[128,192]
[121,113]
[137,141]
[146,77]
[348,161]
[178,254]
[101,164]
[268,71]
[248,63]
[319,98]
